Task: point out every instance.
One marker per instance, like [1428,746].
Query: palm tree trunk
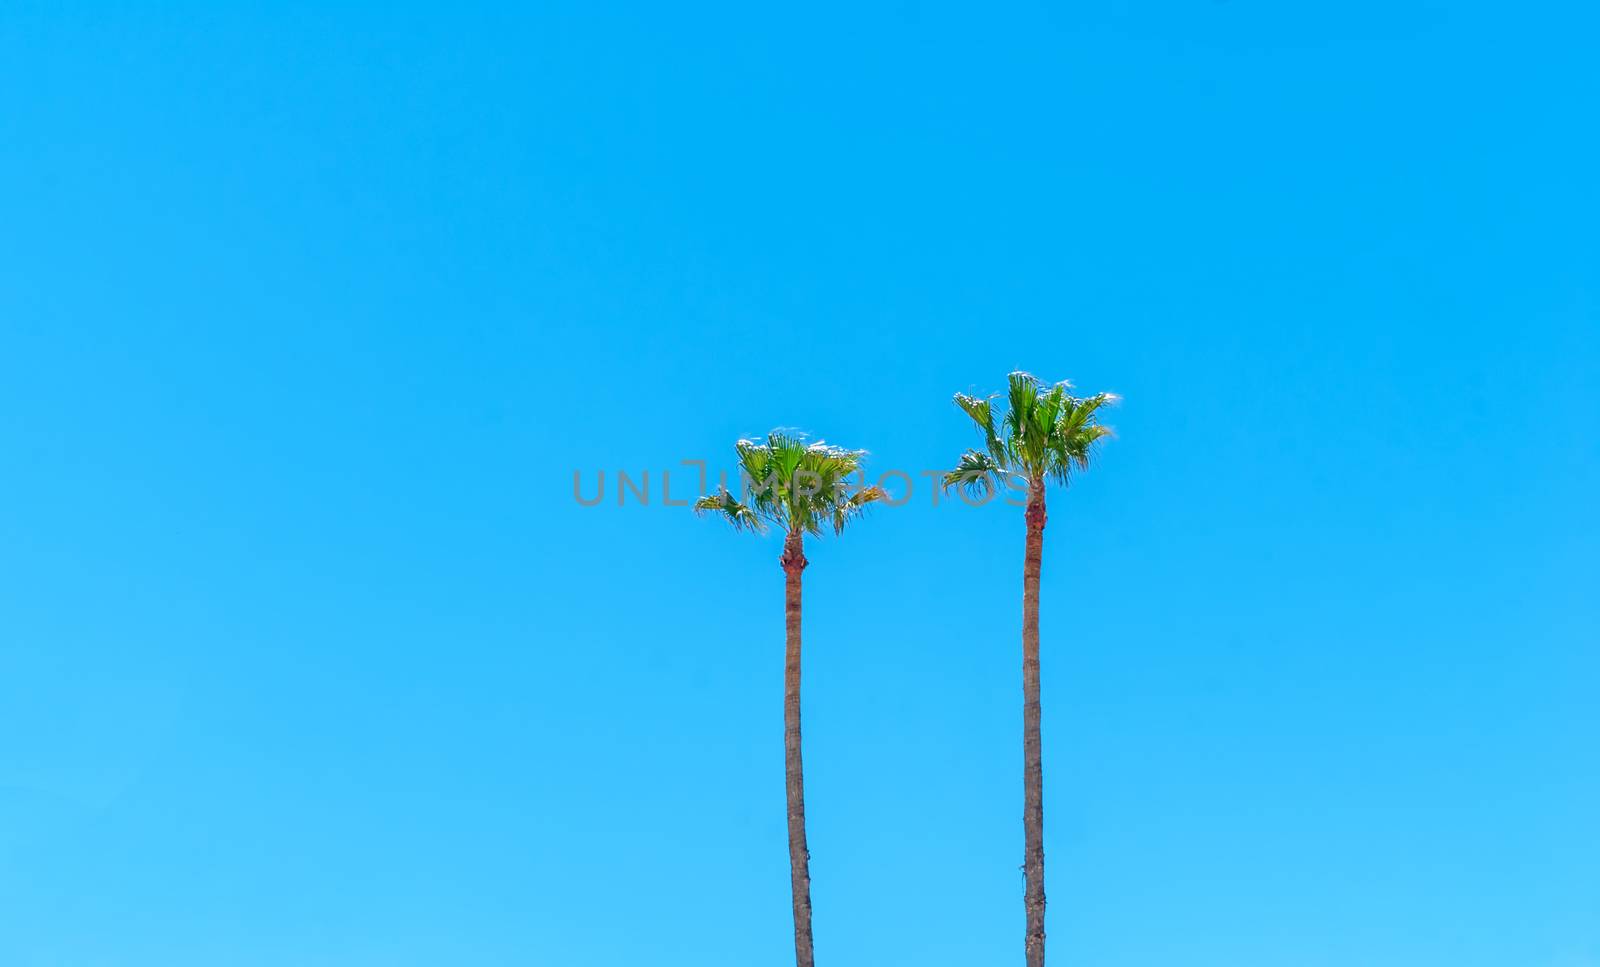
[1032,758]
[794,561]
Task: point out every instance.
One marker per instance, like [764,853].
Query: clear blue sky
[307,655]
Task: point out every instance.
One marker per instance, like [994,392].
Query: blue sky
[308,316]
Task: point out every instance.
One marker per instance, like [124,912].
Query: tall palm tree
[1046,434]
[800,489]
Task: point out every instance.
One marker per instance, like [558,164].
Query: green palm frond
[726,505]
[981,410]
[854,506]
[976,473]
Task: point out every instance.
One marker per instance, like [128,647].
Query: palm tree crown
[793,485]
[1045,434]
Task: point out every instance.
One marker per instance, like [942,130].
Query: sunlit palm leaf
[727,506]
[976,472]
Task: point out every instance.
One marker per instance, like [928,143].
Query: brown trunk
[1032,758]
[794,561]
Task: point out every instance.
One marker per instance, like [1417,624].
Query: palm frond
[1022,393]
[854,506]
[1076,435]
[981,411]
[730,508]
[975,472]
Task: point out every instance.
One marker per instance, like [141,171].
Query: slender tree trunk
[794,561]
[1032,758]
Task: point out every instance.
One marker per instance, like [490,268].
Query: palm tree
[798,488]
[1046,434]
